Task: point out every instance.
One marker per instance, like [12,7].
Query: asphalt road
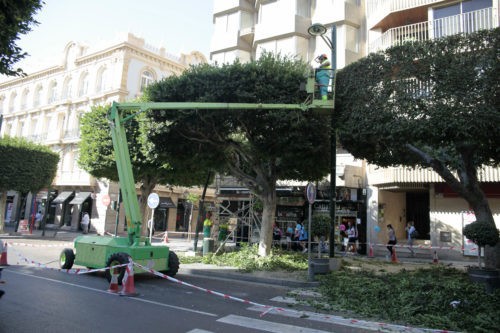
[50,301]
[45,299]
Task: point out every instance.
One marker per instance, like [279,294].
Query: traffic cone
[370,252]
[165,239]
[128,281]
[113,286]
[394,258]
[435,259]
[3,257]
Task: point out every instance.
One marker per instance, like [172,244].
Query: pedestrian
[303,238]
[85,222]
[391,234]
[343,237]
[207,225]
[352,235]
[410,231]
[38,219]
[289,235]
[323,75]
[296,237]
[276,235]
[223,228]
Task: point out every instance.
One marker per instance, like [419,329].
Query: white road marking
[266,326]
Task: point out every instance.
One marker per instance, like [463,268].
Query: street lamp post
[318,29]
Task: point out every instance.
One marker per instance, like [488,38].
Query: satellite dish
[317,29]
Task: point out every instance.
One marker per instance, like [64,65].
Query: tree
[26,167]
[97,156]
[16,18]
[257,147]
[428,104]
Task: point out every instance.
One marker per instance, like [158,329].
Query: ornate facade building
[46,106]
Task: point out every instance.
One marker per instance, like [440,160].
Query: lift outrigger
[107,251]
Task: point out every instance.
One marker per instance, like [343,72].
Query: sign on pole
[106,200]
[153,200]
[311,193]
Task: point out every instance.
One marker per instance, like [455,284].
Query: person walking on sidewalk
[85,222]
[410,230]
[391,234]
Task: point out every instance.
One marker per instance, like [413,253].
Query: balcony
[72,134]
[380,9]
[288,26]
[221,6]
[464,23]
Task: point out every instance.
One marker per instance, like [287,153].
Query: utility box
[208,245]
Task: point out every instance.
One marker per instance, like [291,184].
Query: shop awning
[62,197]
[166,203]
[80,198]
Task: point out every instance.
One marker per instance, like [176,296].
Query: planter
[320,265]
[489,277]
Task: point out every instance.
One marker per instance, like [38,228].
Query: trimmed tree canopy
[26,166]
[258,147]
[428,104]
[16,18]
[97,156]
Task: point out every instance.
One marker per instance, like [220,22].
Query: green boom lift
[106,251]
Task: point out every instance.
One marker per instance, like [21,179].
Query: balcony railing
[72,134]
[464,23]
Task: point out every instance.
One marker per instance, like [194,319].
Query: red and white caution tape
[40,245]
[77,271]
[425,247]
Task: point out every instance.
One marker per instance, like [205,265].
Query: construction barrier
[3,256]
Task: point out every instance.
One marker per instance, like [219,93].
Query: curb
[248,278]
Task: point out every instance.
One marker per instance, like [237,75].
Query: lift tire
[173,264]
[66,259]
[119,258]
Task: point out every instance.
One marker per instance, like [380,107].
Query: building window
[102,80]
[24,99]
[466,16]
[67,91]
[12,102]
[52,92]
[1,104]
[84,85]
[147,78]
[37,96]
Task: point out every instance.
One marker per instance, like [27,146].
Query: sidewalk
[183,246]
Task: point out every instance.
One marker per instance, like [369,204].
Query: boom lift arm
[122,156]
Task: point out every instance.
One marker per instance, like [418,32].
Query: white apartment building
[244,28]
[46,107]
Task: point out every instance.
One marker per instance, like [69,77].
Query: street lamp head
[317,29]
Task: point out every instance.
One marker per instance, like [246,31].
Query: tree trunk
[479,204]
[3,200]
[266,232]
[147,187]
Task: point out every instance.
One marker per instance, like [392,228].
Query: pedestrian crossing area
[260,325]
[259,322]
[328,323]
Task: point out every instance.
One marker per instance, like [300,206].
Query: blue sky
[177,25]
